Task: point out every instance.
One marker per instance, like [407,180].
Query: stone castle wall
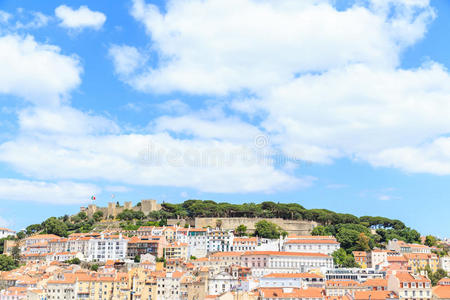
[111,211]
[291,226]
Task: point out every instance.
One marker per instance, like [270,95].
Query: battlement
[112,210]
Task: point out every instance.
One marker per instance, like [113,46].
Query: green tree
[73,261]
[82,215]
[95,267]
[363,242]
[54,226]
[98,216]
[268,230]
[193,257]
[430,241]
[241,230]
[33,229]
[20,235]
[342,259]
[436,276]
[137,258]
[7,263]
[321,230]
[15,252]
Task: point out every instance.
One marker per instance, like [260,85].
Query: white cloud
[79,18]
[384,197]
[362,113]
[46,192]
[149,160]
[126,59]
[37,72]
[4,17]
[31,20]
[64,120]
[216,47]
[432,157]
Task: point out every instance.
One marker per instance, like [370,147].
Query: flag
[93,198]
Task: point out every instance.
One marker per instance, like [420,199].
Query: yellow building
[419,261]
[176,251]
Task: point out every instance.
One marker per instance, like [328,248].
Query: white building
[5,232]
[444,263]
[266,262]
[111,247]
[221,283]
[197,240]
[410,286]
[358,274]
[296,280]
[169,286]
[313,245]
[377,258]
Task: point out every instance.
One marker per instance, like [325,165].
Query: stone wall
[291,226]
[112,210]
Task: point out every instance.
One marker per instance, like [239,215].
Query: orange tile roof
[444,281]
[407,277]
[293,275]
[375,295]
[342,283]
[280,253]
[376,282]
[42,236]
[305,241]
[291,293]
[442,291]
[396,258]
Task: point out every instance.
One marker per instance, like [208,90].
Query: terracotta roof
[376,282]
[342,283]
[375,295]
[407,277]
[278,253]
[291,293]
[42,236]
[396,258]
[293,275]
[6,229]
[442,291]
[304,241]
[444,281]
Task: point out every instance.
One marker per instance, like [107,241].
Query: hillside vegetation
[354,233]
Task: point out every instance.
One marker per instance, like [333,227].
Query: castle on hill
[113,210]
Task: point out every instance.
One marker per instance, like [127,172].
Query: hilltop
[354,233]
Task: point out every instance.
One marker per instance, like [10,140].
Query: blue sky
[346,101]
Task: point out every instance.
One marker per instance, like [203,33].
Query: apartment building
[376,258]
[5,232]
[444,263]
[410,286]
[244,244]
[294,280]
[176,250]
[360,258]
[266,262]
[111,247]
[418,261]
[313,244]
[142,245]
[442,290]
[339,288]
[290,293]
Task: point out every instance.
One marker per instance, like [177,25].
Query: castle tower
[128,205]
[111,209]
[149,205]
[92,208]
